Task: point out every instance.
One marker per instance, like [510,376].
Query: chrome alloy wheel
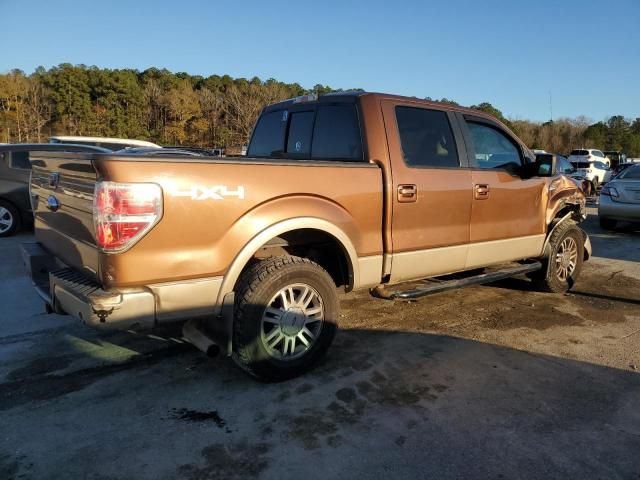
[6,220]
[292,321]
[566,258]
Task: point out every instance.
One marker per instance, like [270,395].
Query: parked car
[616,157]
[15,207]
[615,171]
[104,142]
[620,199]
[353,190]
[588,155]
[166,152]
[595,172]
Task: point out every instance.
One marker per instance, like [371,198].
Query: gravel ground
[494,381]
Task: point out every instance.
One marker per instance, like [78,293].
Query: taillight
[124,212]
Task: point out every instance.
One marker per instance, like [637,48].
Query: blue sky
[510,53]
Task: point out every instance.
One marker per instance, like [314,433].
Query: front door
[508,212]
[431,204]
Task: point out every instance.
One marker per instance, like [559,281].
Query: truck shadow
[395,391]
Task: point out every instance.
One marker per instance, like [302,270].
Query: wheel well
[316,245]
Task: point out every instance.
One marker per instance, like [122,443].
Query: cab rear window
[324,132]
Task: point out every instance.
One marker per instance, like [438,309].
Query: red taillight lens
[124,212]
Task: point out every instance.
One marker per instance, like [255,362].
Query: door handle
[407,193]
[481,191]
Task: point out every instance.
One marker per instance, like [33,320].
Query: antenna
[550,106]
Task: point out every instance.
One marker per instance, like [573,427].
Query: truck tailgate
[62,186]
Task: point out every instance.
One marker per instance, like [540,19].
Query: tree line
[216,111]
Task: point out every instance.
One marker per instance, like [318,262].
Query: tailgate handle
[407,193]
[481,191]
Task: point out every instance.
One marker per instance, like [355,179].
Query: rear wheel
[562,267]
[607,223]
[594,184]
[9,219]
[285,317]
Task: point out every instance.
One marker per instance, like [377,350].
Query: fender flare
[297,223]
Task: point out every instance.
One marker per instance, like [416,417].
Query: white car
[594,171]
[589,155]
[105,142]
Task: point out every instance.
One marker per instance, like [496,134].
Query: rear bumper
[629,212]
[67,290]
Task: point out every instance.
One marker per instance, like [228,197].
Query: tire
[607,223]
[285,317]
[9,219]
[594,184]
[562,267]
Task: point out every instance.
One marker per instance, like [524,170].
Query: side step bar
[380,291]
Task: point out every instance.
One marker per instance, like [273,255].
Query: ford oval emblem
[52,203]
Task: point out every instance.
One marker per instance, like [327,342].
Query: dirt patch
[504,305]
[232,461]
[46,386]
[40,366]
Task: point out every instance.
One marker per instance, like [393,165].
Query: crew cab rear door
[431,205]
[508,211]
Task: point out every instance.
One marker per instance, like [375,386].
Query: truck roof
[350,96]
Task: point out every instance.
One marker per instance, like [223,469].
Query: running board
[443,286]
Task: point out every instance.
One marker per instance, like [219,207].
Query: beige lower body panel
[369,271]
[497,251]
[408,266]
[186,299]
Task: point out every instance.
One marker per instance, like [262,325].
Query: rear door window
[19,160]
[336,134]
[426,138]
[300,130]
[268,135]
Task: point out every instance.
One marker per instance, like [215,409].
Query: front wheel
[285,317]
[561,268]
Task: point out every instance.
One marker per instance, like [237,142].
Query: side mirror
[544,166]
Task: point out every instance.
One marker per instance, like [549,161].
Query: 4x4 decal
[216,192]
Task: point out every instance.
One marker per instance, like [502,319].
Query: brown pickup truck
[345,191]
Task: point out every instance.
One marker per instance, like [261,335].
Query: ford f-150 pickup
[343,191]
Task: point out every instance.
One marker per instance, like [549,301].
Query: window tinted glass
[493,149]
[564,166]
[582,164]
[299,142]
[426,138]
[632,173]
[268,136]
[336,133]
[20,160]
[600,165]
[579,152]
